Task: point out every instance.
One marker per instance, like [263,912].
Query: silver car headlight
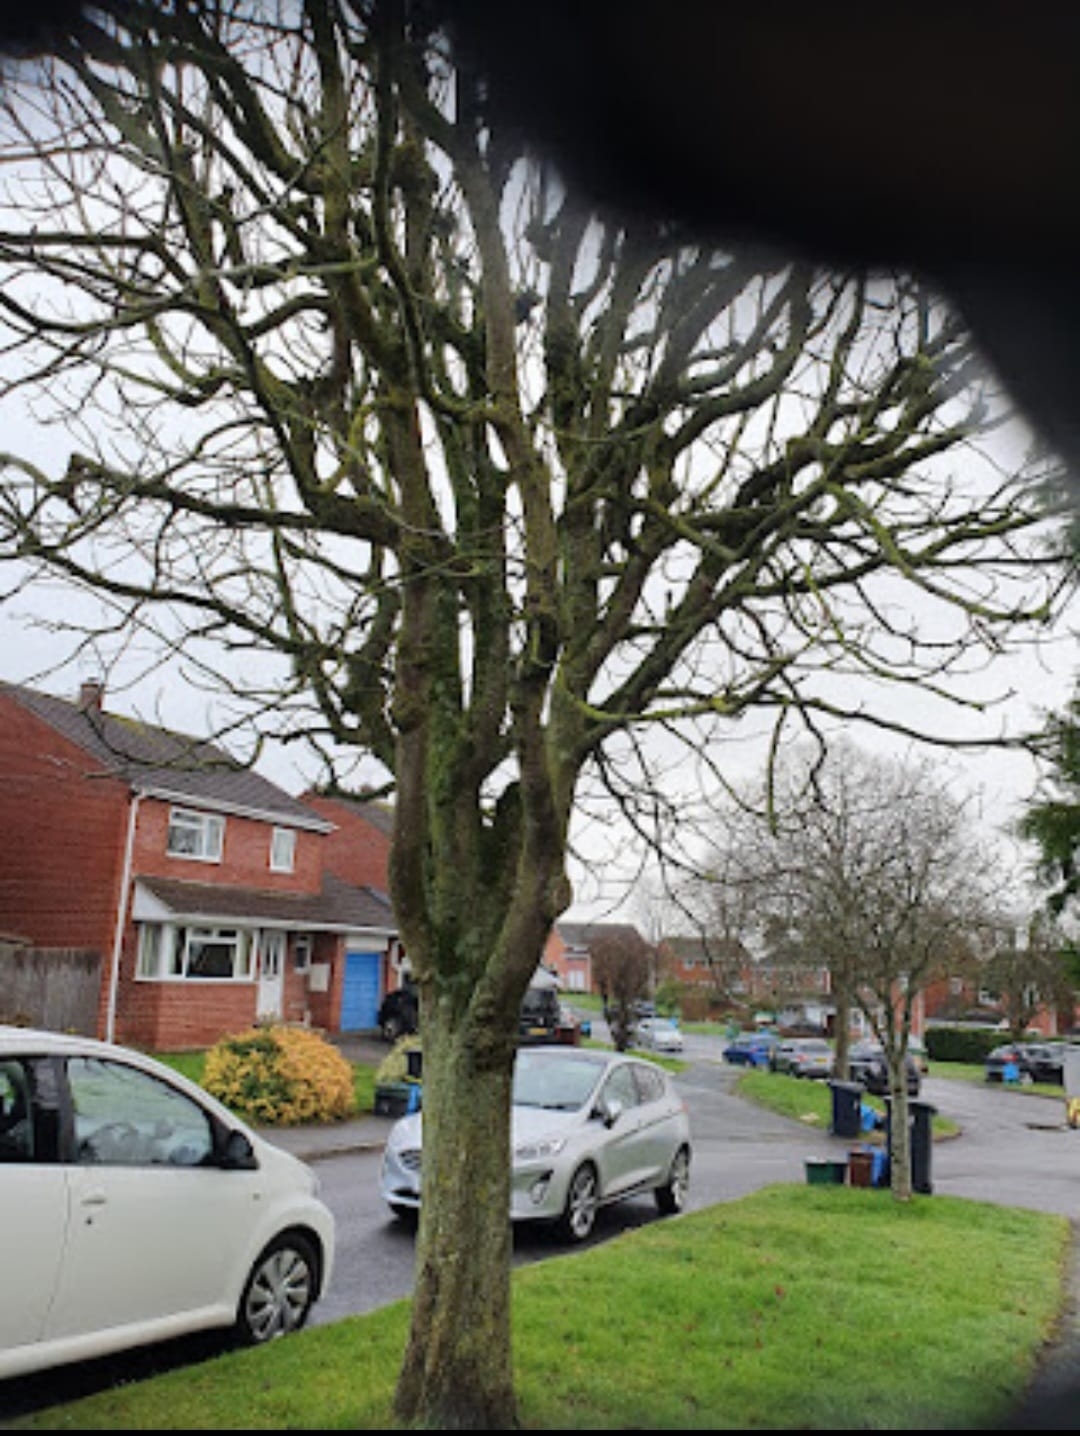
[541,1149]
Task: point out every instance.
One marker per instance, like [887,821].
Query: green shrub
[395,1065]
[961,1044]
[279,1076]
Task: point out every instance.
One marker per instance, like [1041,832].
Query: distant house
[568,952]
[204,887]
[357,850]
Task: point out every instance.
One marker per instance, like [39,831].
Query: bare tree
[622,963]
[875,869]
[320,365]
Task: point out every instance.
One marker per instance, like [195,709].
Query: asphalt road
[1016,1149]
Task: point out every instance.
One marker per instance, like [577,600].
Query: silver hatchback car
[587,1128]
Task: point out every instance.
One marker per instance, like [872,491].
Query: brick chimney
[91,695]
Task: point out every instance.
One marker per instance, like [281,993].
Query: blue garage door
[360,998]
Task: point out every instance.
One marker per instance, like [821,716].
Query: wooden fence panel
[55,988]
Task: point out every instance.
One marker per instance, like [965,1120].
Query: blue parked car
[751,1049]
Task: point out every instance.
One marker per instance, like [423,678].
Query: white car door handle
[96,1198]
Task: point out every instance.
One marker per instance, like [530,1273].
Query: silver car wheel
[582,1199]
[671,1197]
[279,1292]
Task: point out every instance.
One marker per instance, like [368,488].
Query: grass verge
[810,1102]
[820,1308]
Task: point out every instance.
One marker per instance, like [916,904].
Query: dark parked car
[540,1019]
[399,1012]
[869,1067]
[1032,1061]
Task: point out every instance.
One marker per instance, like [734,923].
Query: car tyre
[582,1202]
[279,1291]
[671,1197]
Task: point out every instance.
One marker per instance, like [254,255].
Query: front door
[271,975]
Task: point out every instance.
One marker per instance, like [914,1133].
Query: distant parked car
[803,1057]
[137,1208]
[1032,1061]
[658,1033]
[751,1049]
[587,1128]
[540,1017]
[869,1067]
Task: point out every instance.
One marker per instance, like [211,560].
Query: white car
[658,1033]
[587,1128]
[136,1208]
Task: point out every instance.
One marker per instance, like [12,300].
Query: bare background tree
[874,870]
[623,968]
[1029,967]
[314,376]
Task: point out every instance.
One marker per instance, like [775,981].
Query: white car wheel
[279,1292]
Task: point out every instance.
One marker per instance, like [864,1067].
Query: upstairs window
[282,850]
[199,836]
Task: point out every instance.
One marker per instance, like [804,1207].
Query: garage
[360,992]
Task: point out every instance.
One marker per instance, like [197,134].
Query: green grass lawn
[798,1307]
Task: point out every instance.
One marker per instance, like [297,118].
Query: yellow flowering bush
[279,1076]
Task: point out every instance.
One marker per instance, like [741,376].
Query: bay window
[215,953]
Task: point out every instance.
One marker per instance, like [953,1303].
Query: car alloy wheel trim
[581,1203]
[279,1295]
[680,1179]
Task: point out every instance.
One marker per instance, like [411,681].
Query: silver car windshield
[562,1083]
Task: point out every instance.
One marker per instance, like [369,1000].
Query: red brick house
[568,951]
[357,850]
[204,887]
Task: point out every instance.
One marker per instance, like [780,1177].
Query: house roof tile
[338,907]
[583,934]
[172,764]
[375,811]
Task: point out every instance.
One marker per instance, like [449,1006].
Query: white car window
[620,1088]
[650,1084]
[125,1117]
